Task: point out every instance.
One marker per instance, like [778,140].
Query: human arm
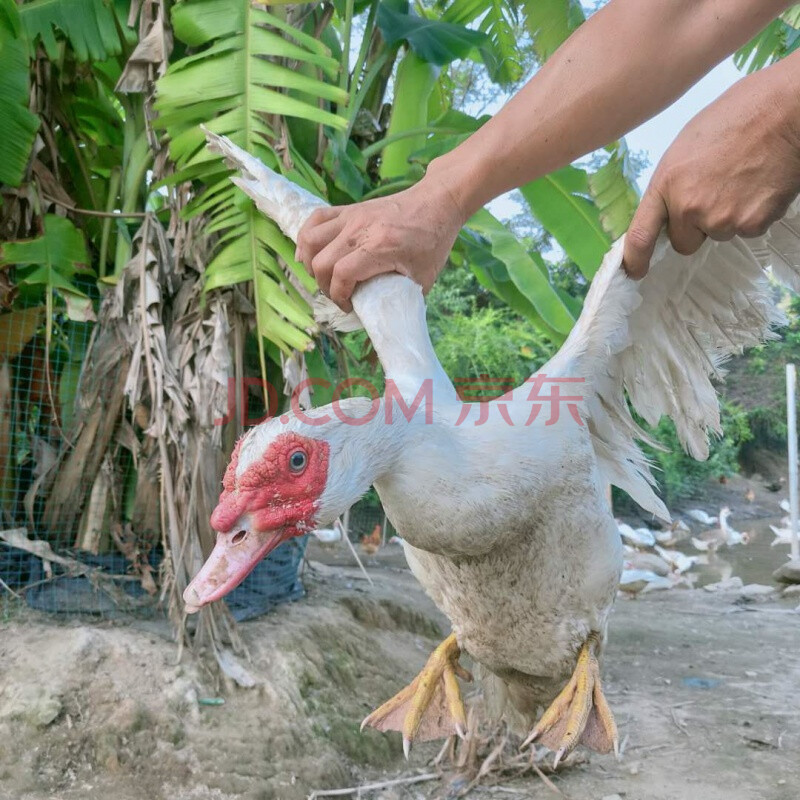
[732,171]
[626,63]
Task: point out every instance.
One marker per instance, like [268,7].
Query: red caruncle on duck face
[274,498]
[280,489]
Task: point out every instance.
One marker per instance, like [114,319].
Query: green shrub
[679,475]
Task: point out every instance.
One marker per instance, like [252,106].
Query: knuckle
[754,225]
[318,215]
[321,265]
[638,239]
[667,175]
[389,239]
[386,238]
[689,207]
[347,272]
[721,228]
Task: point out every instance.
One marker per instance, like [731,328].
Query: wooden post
[791,424]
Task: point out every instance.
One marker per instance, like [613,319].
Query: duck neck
[392,310]
[365,447]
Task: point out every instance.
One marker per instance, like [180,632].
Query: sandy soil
[704,688]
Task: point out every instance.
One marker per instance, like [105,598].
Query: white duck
[639,537]
[698,515]
[783,534]
[634,581]
[726,535]
[677,560]
[504,517]
[673,534]
[329,535]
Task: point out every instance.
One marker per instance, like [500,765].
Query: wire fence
[95,547]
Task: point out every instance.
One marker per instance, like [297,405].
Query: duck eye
[298,461]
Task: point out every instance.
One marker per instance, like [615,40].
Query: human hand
[732,171]
[411,232]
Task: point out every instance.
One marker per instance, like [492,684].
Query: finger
[318,217]
[352,269]
[310,242]
[720,229]
[685,237]
[323,263]
[640,240]
[321,214]
[721,233]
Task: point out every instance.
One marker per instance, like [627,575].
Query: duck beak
[233,558]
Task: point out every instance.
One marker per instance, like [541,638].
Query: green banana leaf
[613,188]
[242,92]
[498,20]
[89,25]
[432,40]
[528,276]
[18,126]
[561,202]
[551,22]
[51,261]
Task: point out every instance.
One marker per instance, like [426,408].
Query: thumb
[640,240]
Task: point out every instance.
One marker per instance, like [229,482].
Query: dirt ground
[704,687]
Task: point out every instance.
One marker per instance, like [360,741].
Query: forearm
[625,64]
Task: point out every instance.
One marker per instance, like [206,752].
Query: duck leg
[580,713]
[430,707]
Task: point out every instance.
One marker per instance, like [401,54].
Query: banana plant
[499,20]
[18,125]
[780,38]
[349,98]
[242,57]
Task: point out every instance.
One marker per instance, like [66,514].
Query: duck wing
[389,307]
[659,341]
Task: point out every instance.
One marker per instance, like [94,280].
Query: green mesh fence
[76,534]
[38,386]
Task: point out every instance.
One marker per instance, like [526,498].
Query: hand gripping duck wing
[501,508]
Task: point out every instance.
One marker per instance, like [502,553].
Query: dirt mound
[101,710]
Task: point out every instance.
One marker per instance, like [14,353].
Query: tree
[114,209]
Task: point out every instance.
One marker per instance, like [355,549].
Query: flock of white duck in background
[651,561]
[783,535]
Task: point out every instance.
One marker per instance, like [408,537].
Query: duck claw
[430,707]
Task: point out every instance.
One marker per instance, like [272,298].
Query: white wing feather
[660,340]
[390,307]
[284,202]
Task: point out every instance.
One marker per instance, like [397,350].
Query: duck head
[288,476]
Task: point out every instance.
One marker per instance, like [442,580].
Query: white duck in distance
[725,535]
[698,515]
[502,511]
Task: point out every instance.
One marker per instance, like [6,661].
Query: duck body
[518,549]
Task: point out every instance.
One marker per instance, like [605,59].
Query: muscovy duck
[503,510]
